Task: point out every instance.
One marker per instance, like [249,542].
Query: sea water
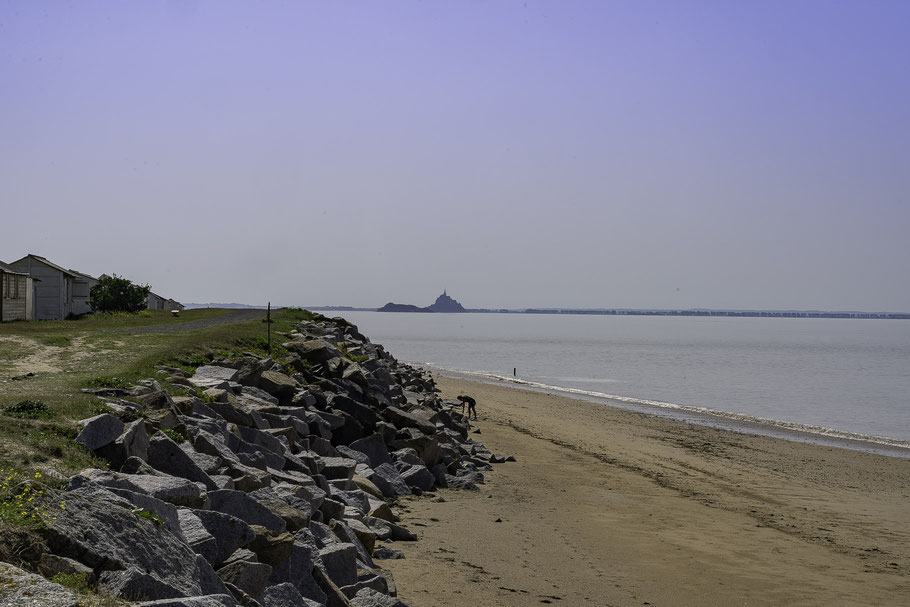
[825,377]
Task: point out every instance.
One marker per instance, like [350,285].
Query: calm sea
[827,377]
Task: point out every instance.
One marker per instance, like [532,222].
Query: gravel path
[193,325]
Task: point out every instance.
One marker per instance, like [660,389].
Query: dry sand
[610,507]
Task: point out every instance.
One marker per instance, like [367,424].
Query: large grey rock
[248,368]
[387,530]
[368,597]
[339,561]
[315,351]
[137,498]
[285,595]
[334,596]
[241,505]
[249,577]
[99,529]
[99,431]
[403,419]
[420,477]
[353,454]
[364,534]
[210,464]
[177,491]
[389,481]
[213,444]
[132,442]
[209,600]
[258,394]
[356,374]
[298,569]
[131,584]
[361,412]
[167,456]
[294,518]
[271,458]
[365,580]
[374,447]
[230,532]
[461,482]
[350,430]
[211,376]
[427,447]
[271,548]
[232,413]
[354,498]
[338,467]
[134,465]
[51,564]
[19,588]
[197,536]
[347,535]
[407,456]
[264,439]
[278,384]
[366,485]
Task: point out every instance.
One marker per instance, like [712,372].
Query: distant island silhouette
[443,304]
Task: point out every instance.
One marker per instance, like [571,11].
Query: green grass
[119,320]
[57,340]
[77,582]
[28,409]
[97,358]
[149,515]
[357,358]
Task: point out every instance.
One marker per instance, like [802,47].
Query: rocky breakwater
[269,483]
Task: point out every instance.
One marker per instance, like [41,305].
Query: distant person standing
[471,403]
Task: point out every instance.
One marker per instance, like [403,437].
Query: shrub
[357,358]
[22,501]
[117,294]
[173,435]
[148,515]
[77,582]
[28,409]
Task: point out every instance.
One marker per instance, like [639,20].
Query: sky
[597,154]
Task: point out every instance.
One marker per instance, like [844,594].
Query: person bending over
[471,403]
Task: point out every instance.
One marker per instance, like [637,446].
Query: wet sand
[610,507]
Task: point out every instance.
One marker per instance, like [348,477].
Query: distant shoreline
[654,312]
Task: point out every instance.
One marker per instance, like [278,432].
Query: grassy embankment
[43,367]
[66,356]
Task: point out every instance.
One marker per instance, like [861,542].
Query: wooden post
[268,321]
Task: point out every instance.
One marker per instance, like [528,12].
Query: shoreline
[722,420]
[607,506]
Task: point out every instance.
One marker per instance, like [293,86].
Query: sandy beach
[611,507]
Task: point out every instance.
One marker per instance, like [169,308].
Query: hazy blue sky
[589,154]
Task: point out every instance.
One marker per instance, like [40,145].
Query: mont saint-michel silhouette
[443,303]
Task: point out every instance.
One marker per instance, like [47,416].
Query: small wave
[587,380]
[701,411]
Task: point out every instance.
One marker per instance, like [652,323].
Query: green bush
[77,582]
[28,409]
[148,515]
[22,500]
[117,294]
[173,435]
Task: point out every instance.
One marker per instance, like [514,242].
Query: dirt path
[194,325]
